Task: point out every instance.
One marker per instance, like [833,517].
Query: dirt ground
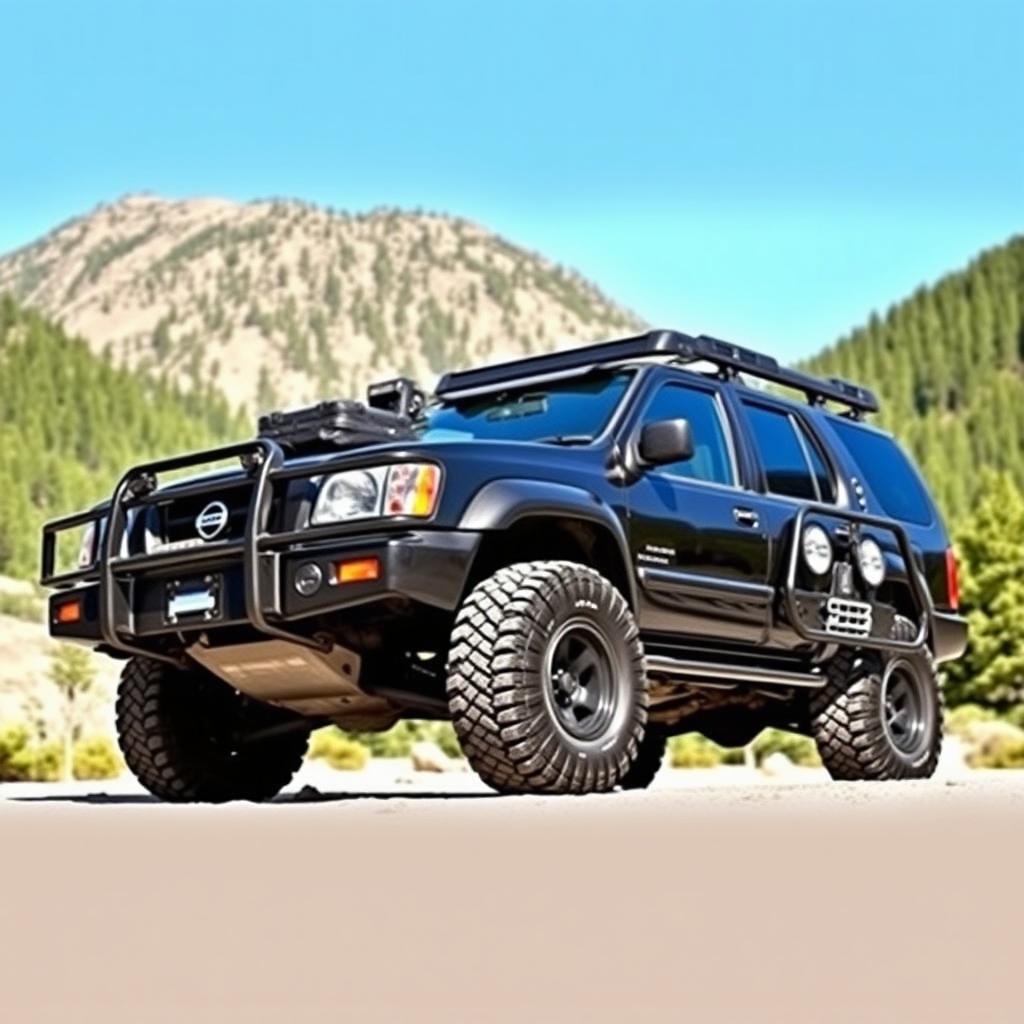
[760,902]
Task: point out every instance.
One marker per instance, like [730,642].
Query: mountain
[948,365]
[280,302]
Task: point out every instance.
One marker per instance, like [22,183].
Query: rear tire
[878,719]
[546,680]
[181,734]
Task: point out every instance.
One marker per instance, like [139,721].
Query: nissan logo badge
[212,520]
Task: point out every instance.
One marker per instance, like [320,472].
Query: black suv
[572,557]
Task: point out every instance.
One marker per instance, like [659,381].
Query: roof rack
[678,347]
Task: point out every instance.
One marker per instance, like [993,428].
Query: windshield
[562,412]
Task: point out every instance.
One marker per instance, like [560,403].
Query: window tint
[792,464]
[888,472]
[710,450]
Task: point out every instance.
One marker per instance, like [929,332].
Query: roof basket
[677,347]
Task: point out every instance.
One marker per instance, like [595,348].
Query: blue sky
[764,171]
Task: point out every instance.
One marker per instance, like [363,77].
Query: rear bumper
[428,567]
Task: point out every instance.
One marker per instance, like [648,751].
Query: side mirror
[666,441]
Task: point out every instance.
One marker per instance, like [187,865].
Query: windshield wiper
[566,439]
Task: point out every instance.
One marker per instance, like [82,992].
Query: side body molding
[501,503]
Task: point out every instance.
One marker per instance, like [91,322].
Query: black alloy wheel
[906,709]
[580,679]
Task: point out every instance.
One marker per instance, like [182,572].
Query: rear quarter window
[888,472]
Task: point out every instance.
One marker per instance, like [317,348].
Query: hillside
[70,423]
[948,364]
[279,302]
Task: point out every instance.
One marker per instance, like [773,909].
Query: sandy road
[819,903]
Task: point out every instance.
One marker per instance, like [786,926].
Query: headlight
[817,549]
[406,489]
[871,562]
[353,495]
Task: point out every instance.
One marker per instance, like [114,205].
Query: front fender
[502,503]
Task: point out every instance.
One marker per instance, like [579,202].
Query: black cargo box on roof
[334,424]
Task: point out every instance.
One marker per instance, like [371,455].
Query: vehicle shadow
[284,800]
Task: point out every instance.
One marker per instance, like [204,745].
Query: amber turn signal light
[357,570]
[68,612]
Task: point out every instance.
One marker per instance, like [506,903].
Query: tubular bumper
[123,597]
[948,633]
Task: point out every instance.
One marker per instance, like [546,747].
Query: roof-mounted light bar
[678,347]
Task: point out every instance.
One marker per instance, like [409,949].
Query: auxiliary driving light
[871,562]
[817,549]
[308,578]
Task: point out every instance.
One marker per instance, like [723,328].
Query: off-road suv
[572,557]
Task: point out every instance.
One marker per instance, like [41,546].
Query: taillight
[952,580]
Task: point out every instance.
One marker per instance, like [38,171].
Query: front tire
[182,733]
[878,719]
[649,759]
[546,680]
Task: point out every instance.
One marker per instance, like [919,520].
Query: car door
[794,471]
[697,543]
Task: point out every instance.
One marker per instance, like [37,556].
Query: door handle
[745,517]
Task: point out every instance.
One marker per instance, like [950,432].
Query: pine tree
[991,548]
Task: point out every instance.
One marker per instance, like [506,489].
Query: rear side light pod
[952,580]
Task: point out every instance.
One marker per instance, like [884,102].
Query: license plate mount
[192,600]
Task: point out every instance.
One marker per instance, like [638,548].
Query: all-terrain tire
[649,759]
[181,733]
[850,718]
[518,688]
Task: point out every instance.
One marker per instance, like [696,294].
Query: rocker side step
[716,674]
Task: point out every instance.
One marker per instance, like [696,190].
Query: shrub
[995,744]
[694,751]
[1002,752]
[15,762]
[341,752]
[398,740]
[799,749]
[22,760]
[733,755]
[97,758]
[1015,716]
[959,721]
[47,762]
[26,607]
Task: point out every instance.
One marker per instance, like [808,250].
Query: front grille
[172,523]
[847,617]
[177,519]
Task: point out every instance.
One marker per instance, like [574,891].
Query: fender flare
[502,503]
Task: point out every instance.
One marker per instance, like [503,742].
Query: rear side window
[792,464]
[888,472]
